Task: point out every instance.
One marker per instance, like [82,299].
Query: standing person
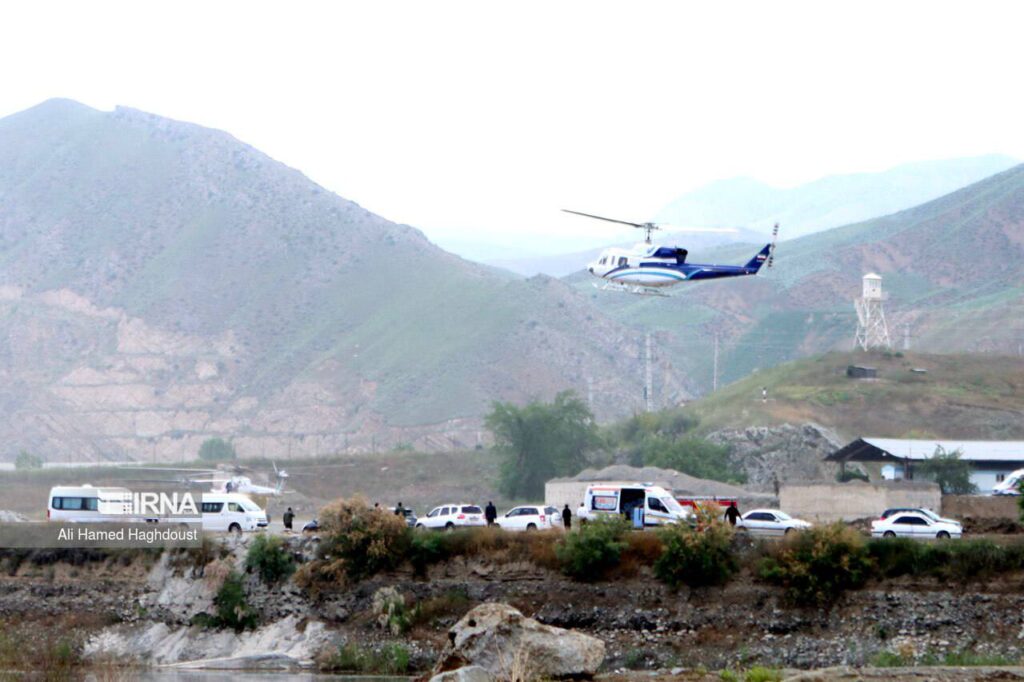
[732,514]
[490,513]
[288,517]
[764,394]
[399,510]
[567,517]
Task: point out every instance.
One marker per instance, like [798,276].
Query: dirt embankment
[645,625]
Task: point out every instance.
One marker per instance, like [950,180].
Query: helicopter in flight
[646,268]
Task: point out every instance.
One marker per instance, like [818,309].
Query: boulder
[508,645]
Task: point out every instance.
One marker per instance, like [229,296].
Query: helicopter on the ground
[647,267]
[220,481]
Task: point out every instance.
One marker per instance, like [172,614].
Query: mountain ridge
[248,301]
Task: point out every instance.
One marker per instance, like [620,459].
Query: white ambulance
[656,505]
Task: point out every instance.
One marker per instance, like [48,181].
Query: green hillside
[959,396]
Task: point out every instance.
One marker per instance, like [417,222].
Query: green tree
[693,456]
[952,473]
[216,450]
[540,441]
[27,460]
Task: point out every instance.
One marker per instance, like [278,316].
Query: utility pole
[714,378]
[648,380]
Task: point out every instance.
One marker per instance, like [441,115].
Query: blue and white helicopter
[645,268]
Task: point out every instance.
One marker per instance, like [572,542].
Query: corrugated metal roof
[974,450]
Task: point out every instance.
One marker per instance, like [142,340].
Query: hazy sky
[479,120]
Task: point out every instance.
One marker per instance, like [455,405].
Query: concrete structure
[826,502]
[894,458]
[981,507]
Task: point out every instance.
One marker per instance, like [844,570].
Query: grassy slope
[961,396]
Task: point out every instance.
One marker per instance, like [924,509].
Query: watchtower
[872,330]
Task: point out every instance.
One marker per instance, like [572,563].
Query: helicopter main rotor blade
[610,220]
[699,230]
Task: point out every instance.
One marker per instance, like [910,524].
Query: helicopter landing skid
[635,289]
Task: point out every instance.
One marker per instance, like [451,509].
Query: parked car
[529,518]
[409,514]
[917,510]
[770,522]
[452,516]
[311,527]
[914,525]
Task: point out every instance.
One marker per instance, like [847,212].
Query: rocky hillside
[161,283]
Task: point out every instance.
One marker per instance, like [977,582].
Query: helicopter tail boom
[757,261]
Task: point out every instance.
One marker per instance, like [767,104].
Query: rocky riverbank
[144,611]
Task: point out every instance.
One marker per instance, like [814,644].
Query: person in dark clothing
[288,517]
[732,514]
[399,509]
[567,517]
[490,513]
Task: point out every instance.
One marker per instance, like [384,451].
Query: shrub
[233,610]
[426,549]
[761,674]
[897,556]
[696,558]
[216,450]
[816,566]
[390,659]
[269,557]
[27,460]
[594,550]
[391,612]
[364,539]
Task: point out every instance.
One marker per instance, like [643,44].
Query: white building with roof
[894,458]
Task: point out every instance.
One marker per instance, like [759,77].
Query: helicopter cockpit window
[603,259]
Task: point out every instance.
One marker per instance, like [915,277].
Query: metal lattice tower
[872,330]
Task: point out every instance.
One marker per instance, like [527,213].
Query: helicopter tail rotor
[771,251]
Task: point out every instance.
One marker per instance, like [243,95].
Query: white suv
[529,518]
[452,516]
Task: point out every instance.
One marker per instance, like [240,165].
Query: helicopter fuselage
[653,266]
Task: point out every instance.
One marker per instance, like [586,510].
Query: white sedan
[529,518]
[915,525]
[452,516]
[770,522]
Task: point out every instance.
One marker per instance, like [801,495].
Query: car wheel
[888,534]
[532,526]
[449,526]
[420,526]
[788,531]
[943,535]
[235,528]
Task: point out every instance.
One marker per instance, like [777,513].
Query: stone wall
[855,500]
[980,506]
